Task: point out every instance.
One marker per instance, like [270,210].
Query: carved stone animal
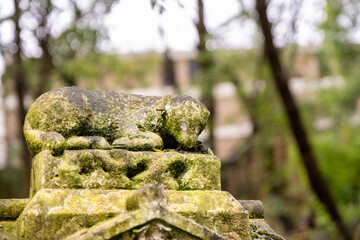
[74,118]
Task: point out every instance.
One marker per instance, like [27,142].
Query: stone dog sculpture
[74,118]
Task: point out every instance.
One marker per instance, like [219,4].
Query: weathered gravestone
[111,165]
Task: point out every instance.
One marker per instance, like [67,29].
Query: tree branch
[20,83]
[206,62]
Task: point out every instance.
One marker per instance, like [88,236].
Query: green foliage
[342,155]
[286,192]
[338,151]
[339,52]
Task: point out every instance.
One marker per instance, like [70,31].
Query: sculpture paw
[139,142]
[87,142]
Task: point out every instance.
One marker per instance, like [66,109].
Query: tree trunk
[316,180]
[20,86]
[46,64]
[45,68]
[206,63]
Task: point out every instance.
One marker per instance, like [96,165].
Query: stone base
[119,194]
[10,209]
[126,214]
[56,214]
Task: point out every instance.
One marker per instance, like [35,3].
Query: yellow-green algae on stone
[154,214]
[8,230]
[121,169]
[10,209]
[98,172]
[221,212]
[59,213]
[260,230]
[156,229]
[118,120]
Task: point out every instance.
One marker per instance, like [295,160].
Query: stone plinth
[108,213]
[111,165]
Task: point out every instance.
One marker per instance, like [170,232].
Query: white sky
[134,27]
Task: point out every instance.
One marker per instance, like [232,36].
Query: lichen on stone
[74,118]
[8,230]
[259,229]
[121,169]
[10,209]
[110,165]
[157,230]
[132,203]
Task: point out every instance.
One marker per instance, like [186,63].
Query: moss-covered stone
[59,213]
[87,142]
[10,209]
[154,207]
[87,184]
[126,121]
[220,212]
[155,229]
[121,169]
[8,230]
[132,203]
[259,229]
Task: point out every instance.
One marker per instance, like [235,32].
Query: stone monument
[111,165]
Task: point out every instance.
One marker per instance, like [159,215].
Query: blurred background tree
[262,163]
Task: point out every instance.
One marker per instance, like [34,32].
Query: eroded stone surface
[10,209]
[121,169]
[122,120]
[8,230]
[155,229]
[255,208]
[83,188]
[261,230]
[59,213]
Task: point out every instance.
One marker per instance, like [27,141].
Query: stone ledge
[260,230]
[10,209]
[59,213]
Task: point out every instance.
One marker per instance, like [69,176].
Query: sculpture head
[184,119]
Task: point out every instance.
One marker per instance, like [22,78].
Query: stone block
[60,213]
[121,169]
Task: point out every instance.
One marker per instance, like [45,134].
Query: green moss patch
[8,230]
[10,209]
[121,169]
